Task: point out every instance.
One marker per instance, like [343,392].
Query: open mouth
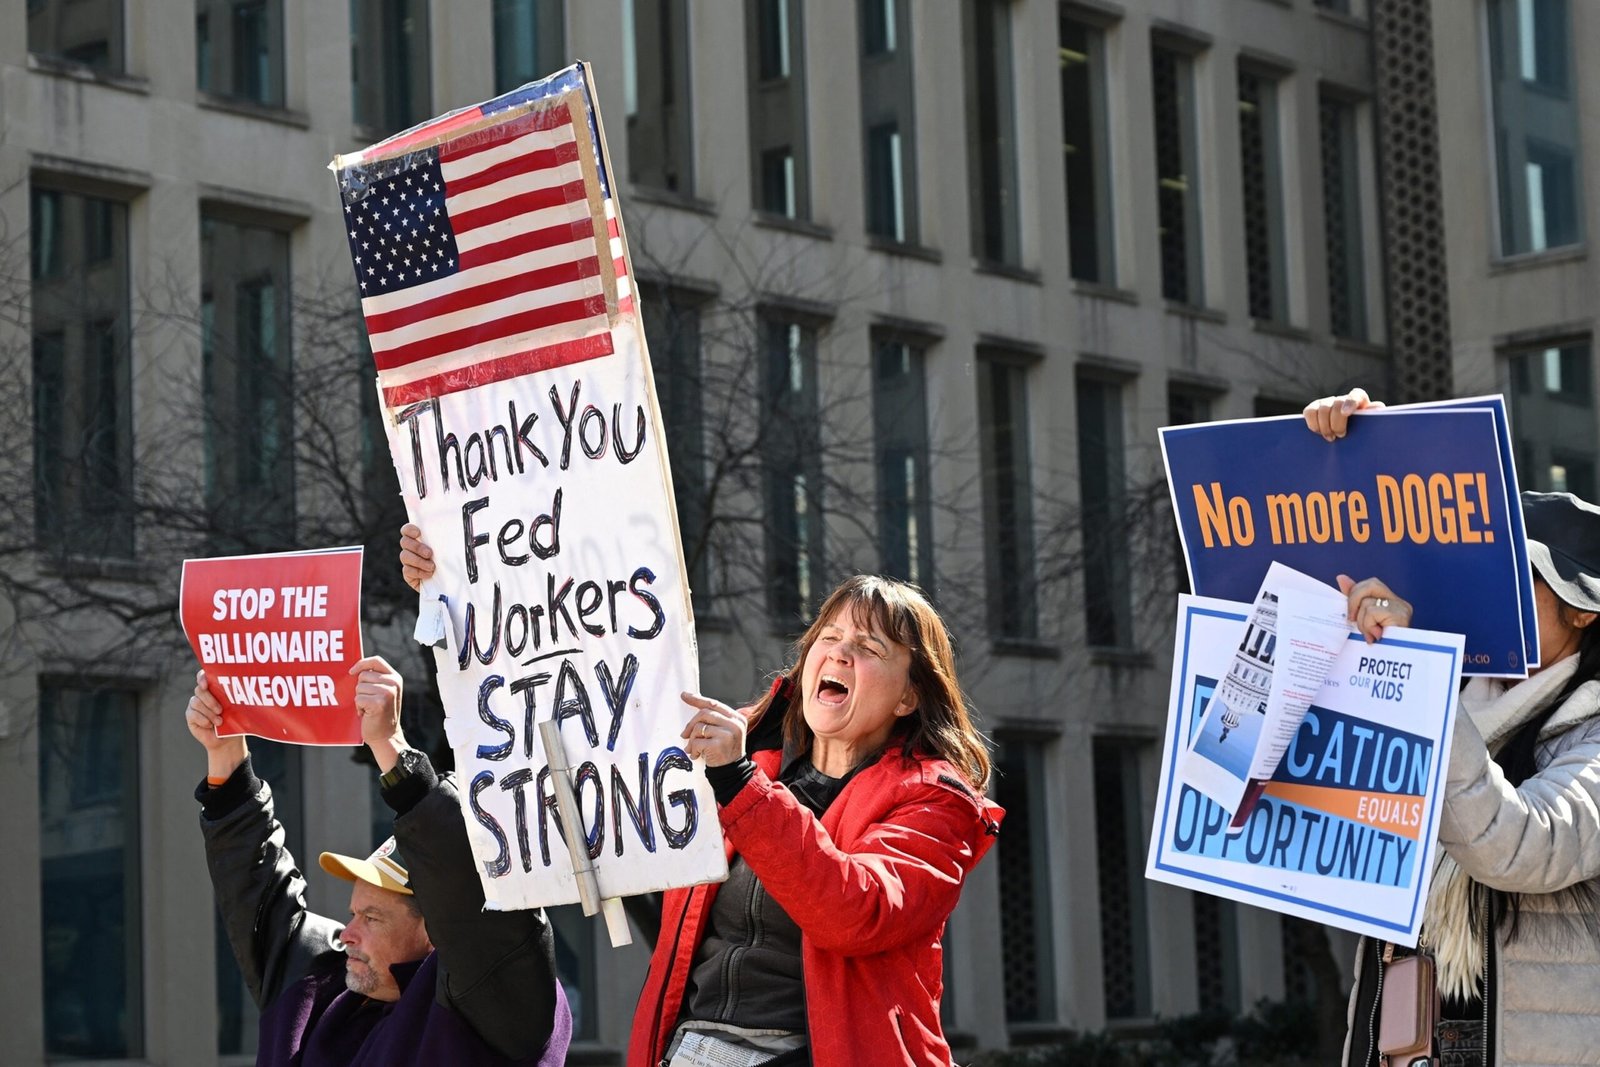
[830,690]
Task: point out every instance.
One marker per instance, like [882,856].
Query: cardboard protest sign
[1417,497]
[523,423]
[1346,831]
[1496,406]
[277,635]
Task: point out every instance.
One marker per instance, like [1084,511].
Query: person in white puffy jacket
[1513,916]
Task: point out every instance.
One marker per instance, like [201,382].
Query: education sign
[1345,832]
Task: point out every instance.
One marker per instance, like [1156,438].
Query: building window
[1007,494]
[1341,214]
[82,377]
[1184,407]
[1535,125]
[1216,951]
[1107,599]
[1119,835]
[793,471]
[1177,176]
[1086,155]
[1553,415]
[778,108]
[900,426]
[992,132]
[89,872]
[1261,169]
[887,119]
[655,67]
[1026,929]
[390,76]
[89,32]
[238,1019]
[239,49]
[672,330]
[527,41]
[247,379]
[1266,407]
[882,26]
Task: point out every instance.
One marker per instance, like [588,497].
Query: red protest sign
[277,635]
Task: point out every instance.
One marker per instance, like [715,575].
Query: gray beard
[363,983]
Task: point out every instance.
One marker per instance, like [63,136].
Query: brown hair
[941,725]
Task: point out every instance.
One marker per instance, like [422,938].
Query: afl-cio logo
[1480,659]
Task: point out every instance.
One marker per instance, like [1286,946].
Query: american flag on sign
[486,243]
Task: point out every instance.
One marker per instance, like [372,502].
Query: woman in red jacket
[852,805]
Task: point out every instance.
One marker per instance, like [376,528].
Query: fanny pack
[1408,1009]
[731,1046]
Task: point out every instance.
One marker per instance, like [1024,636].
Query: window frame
[903,408]
[791,468]
[128,811]
[779,111]
[1186,81]
[1273,305]
[1110,523]
[1507,213]
[1013,600]
[1103,204]
[993,179]
[104,510]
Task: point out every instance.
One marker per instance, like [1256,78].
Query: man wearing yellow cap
[421,974]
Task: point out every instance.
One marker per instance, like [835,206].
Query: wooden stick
[571,822]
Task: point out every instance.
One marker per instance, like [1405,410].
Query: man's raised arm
[496,969]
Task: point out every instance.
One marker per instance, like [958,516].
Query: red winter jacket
[870,885]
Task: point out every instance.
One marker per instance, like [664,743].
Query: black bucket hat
[1564,546]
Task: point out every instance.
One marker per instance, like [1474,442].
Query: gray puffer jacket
[1538,839]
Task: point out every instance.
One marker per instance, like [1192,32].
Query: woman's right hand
[1329,417]
[416,558]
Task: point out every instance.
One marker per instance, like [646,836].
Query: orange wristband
[214,782]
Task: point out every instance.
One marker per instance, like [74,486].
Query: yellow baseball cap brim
[380,869]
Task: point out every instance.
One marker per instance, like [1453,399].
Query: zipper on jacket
[1486,942]
[734,958]
[1377,1002]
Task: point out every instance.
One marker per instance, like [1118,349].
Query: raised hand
[379,693]
[416,558]
[1329,417]
[204,716]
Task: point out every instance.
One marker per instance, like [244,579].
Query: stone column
[1411,212]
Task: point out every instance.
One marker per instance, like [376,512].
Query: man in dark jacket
[421,974]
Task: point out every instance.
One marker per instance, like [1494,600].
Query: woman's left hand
[1373,606]
[715,733]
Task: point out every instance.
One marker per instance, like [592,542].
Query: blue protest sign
[1496,405]
[1417,496]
